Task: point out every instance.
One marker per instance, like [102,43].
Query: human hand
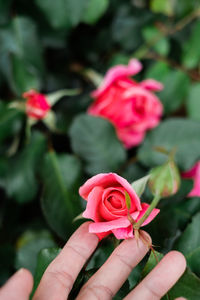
[61,274]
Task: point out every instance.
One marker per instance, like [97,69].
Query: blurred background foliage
[47,45]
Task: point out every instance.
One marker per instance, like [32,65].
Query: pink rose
[130,106]
[106,206]
[37,105]
[194,173]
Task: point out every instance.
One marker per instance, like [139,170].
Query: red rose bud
[37,105]
[165,179]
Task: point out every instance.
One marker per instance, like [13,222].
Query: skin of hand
[60,275]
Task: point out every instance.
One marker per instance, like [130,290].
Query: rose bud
[130,106]
[165,179]
[37,105]
[106,196]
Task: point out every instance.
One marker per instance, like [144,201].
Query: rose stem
[153,204]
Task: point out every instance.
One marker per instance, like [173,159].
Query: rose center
[115,202]
[139,104]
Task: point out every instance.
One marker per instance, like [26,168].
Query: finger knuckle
[96,292]
[63,278]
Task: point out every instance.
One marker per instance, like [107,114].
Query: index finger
[60,275]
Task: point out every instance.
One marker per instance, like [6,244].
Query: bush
[62,49]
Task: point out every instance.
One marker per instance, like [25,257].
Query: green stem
[153,204]
[27,132]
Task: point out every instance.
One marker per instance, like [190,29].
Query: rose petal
[152,85]
[117,72]
[106,209]
[94,198]
[109,180]
[102,235]
[152,215]
[123,222]
[192,172]
[123,233]
[130,137]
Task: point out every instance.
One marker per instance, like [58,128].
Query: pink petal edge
[152,85]
[117,72]
[107,179]
[122,223]
[91,211]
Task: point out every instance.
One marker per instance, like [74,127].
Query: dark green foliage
[95,141]
[48,45]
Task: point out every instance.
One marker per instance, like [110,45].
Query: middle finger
[111,276]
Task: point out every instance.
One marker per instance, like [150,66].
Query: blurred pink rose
[106,206]
[37,105]
[194,173]
[130,106]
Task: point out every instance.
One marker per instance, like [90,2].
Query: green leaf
[176,85]
[4,10]
[188,285]
[123,291]
[189,244]
[63,13]
[10,121]
[7,254]
[101,254]
[193,102]
[20,55]
[29,245]
[45,257]
[151,263]
[175,133]
[76,10]
[23,79]
[127,25]
[21,183]
[165,7]
[55,12]
[161,45]
[95,9]
[133,172]
[186,7]
[191,50]
[94,140]
[54,97]
[158,71]
[60,202]
[50,121]
[140,184]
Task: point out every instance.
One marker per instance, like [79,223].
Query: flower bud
[165,179]
[37,105]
